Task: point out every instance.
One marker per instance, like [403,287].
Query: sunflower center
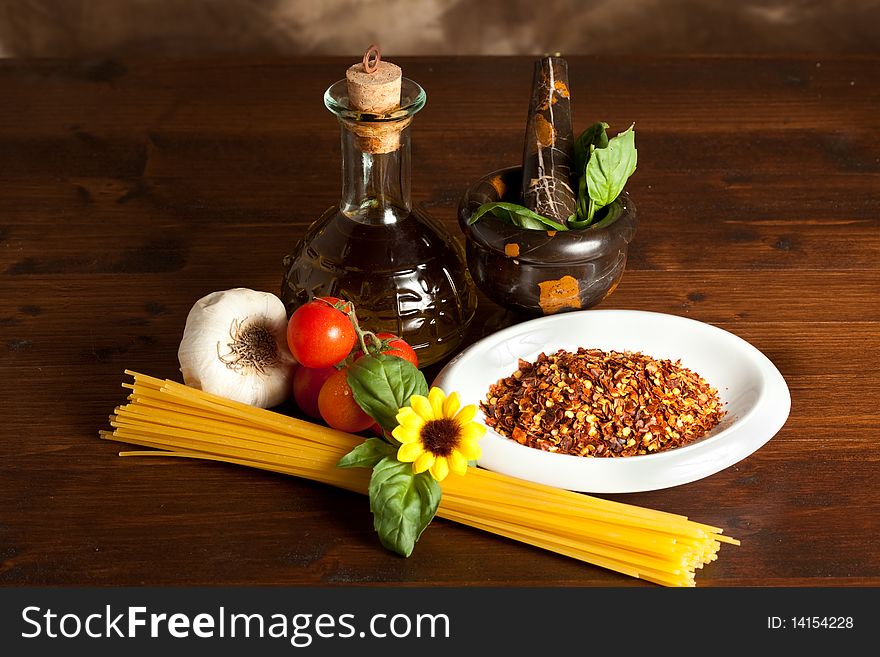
[441,437]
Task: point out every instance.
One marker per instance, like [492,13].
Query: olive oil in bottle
[402,269]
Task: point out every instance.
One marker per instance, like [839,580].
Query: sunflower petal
[404,412]
[470,450]
[408,418]
[405,434]
[422,407]
[473,431]
[409,452]
[466,414]
[423,462]
[436,397]
[457,462]
[440,468]
[451,405]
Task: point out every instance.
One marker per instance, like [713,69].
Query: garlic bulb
[235,345]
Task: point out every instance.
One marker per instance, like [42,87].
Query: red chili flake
[602,403]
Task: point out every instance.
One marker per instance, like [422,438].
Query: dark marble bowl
[543,272]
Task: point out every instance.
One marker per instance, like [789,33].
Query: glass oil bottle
[402,269]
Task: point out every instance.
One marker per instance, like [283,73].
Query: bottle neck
[375,186]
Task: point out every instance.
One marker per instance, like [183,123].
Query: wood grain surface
[130,189]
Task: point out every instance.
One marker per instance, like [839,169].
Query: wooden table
[130,189]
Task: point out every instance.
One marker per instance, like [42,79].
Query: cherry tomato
[396,347]
[399,347]
[335,301]
[307,383]
[319,335]
[338,407]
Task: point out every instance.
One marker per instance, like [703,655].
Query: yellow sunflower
[436,434]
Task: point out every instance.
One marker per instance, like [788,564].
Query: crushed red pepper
[602,403]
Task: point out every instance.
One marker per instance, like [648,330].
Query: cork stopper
[374,87]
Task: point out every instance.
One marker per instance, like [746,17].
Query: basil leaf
[576,225]
[518,215]
[367,454]
[582,217]
[594,136]
[382,384]
[612,215]
[403,503]
[609,168]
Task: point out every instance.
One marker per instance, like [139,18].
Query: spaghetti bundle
[184,422]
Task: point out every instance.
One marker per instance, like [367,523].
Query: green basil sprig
[603,167]
[382,384]
[612,214]
[367,454]
[607,170]
[593,137]
[403,503]
[517,215]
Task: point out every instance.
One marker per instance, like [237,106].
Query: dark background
[83,28]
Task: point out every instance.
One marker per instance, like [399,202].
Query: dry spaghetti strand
[177,421]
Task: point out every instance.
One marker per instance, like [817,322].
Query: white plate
[753,391]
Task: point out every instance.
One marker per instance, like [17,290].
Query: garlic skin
[235,346]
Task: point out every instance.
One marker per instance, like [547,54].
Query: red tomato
[399,347]
[335,301]
[319,335]
[338,407]
[307,383]
[396,347]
